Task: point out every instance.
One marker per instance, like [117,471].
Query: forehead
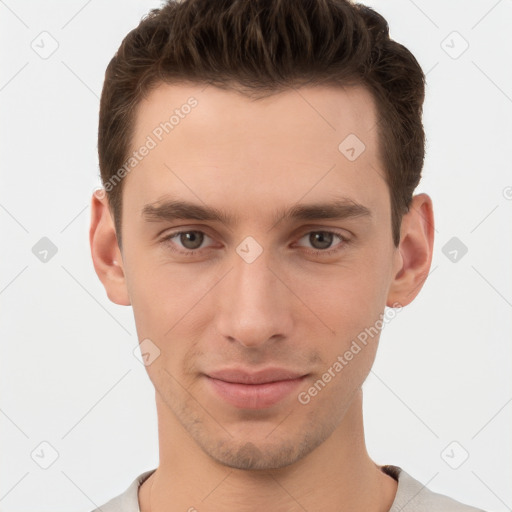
[222,147]
[325,111]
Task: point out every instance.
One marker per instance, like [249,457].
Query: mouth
[253,390]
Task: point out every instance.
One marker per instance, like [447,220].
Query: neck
[337,475]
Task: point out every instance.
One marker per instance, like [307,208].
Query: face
[257,245]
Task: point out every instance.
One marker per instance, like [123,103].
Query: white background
[68,373]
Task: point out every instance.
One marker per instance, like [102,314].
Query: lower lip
[254,396]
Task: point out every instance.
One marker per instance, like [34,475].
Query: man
[259,160]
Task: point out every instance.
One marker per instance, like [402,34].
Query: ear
[414,253]
[105,252]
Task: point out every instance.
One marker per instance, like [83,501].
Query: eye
[190,240]
[321,241]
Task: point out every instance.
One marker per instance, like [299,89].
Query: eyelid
[335,233]
[170,236]
[324,229]
[344,240]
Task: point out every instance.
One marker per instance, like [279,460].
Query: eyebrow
[174,209]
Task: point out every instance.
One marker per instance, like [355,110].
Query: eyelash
[315,252]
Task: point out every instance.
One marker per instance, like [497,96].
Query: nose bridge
[253,306]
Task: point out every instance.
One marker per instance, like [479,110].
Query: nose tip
[254,307]
[254,340]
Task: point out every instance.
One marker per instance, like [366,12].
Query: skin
[289,308]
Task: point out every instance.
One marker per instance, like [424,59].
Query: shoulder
[413,496]
[128,501]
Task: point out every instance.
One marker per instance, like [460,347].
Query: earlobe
[105,252]
[414,254]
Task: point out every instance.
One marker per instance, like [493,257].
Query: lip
[241,376]
[253,390]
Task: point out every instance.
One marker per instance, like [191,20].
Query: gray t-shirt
[411,496]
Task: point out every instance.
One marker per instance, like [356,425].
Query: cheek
[350,301]
[163,293]
[345,298]
[168,310]
[347,354]
[327,396]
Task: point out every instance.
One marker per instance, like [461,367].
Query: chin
[264,455]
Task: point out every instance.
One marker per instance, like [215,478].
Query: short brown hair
[260,47]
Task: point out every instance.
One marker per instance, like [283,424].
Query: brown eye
[191,239]
[186,242]
[323,242]
[321,239]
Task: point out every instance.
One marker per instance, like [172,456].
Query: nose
[254,304]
